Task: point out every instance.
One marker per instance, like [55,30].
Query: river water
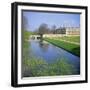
[50,53]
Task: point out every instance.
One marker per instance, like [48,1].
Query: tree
[54,29]
[43,29]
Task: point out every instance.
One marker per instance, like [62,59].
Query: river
[50,53]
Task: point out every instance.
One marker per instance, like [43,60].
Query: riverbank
[39,67]
[72,48]
[36,65]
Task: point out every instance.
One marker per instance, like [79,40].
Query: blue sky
[35,19]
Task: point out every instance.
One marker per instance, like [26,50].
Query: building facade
[73,31]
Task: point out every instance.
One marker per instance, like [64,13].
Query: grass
[71,38]
[38,67]
[26,34]
[75,49]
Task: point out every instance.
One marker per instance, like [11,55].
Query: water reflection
[50,52]
[43,45]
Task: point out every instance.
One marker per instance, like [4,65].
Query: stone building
[68,31]
[73,31]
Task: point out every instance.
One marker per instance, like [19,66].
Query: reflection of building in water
[68,31]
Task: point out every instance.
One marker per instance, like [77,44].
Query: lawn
[71,38]
[73,48]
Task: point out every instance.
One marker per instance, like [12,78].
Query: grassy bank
[71,38]
[38,67]
[75,49]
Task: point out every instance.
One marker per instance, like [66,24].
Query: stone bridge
[34,37]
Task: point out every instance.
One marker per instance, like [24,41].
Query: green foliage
[39,67]
[71,38]
[26,34]
[63,67]
[75,49]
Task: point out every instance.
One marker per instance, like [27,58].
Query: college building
[68,31]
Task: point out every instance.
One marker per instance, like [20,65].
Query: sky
[35,19]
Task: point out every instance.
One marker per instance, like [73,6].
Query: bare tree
[54,29]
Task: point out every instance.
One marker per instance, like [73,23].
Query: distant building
[68,31]
[73,31]
[60,31]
